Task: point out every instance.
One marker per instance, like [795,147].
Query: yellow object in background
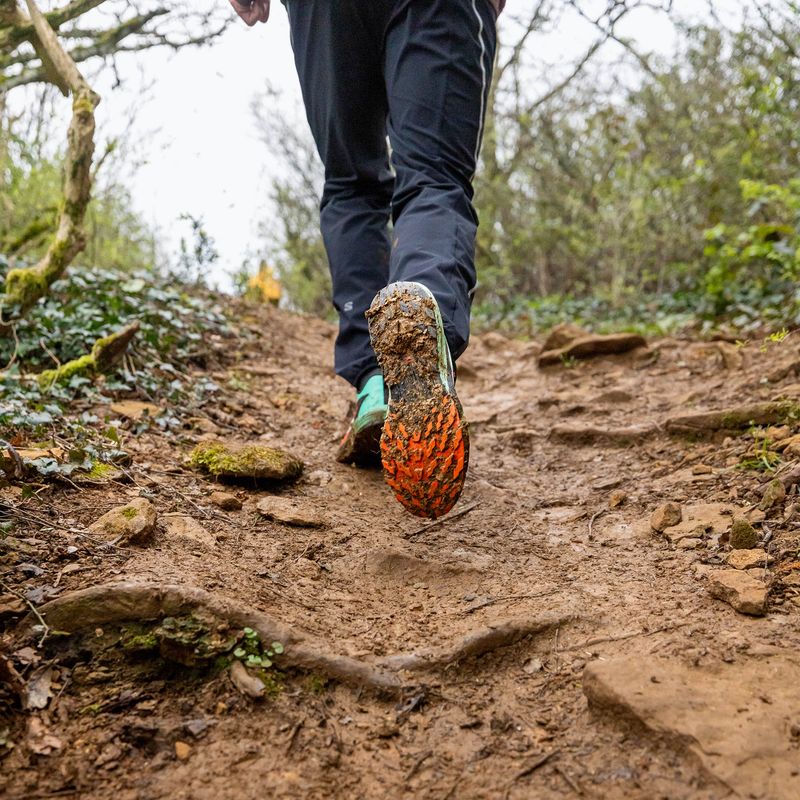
[264,286]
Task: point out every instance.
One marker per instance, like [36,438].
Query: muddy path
[547,641]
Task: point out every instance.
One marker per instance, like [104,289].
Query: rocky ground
[612,610]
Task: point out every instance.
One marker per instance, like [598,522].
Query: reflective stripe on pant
[418,71]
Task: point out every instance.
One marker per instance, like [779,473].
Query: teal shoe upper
[372,402]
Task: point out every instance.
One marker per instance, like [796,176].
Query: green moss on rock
[253,461]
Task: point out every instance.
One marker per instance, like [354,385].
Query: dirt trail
[648,686]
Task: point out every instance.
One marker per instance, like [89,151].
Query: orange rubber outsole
[426,467]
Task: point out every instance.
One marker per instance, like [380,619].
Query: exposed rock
[666,516]
[182,750]
[774,494]
[617,499]
[321,477]
[562,335]
[733,718]
[225,500]
[290,512]
[134,409]
[254,462]
[699,521]
[745,559]
[743,535]
[133,523]
[588,346]
[741,591]
[188,530]
[249,685]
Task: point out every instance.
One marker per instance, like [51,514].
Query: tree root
[588,346]
[477,643]
[145,602]
[734,418]
[105,353]
[590,434]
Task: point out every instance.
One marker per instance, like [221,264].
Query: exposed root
[733,418]
[105,353]
[592,346]
[476,643]
[142,602]
[591,434]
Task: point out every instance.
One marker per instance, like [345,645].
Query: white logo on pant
[348,306]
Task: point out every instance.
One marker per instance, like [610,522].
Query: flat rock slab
[735,719]
[188,530]
[589,346]
[290,512]
[741,591]
[747,559]
[701,520]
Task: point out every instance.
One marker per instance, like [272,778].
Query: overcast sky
[196,132]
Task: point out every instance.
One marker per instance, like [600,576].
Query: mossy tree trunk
[24,287]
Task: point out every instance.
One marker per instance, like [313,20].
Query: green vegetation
[664,198]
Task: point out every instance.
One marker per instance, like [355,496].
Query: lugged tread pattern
[425,440]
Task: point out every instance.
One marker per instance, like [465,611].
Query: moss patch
[253,461]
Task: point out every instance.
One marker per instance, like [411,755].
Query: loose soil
[545,640]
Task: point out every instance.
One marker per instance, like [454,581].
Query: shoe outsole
[425,439]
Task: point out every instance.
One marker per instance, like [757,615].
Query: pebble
[665,516]
[182,750]
[226,501]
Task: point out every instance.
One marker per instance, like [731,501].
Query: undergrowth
[177,321]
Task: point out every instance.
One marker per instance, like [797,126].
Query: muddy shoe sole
[425,441]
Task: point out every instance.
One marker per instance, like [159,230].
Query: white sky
[195,131]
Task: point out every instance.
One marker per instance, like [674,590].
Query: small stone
[617,499]
[741,591]
[743,535]
[688,544]
[133,523]
[702,469]
[182,750]
[226,501]
[665,516]
[289,512]
[189,530]
[196,727]
[745,559]
[532,666]
[247,684]
[774,493]
[319,477]
[755,516]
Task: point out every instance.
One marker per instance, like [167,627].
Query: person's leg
[337,47]
[438,62]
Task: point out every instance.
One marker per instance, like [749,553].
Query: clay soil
[553,532]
